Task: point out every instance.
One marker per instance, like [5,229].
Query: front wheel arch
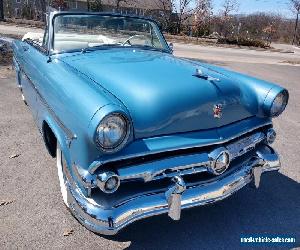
[49,139]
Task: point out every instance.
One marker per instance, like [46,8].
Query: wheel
[61,164]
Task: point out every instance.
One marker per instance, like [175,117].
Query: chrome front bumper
[177,197]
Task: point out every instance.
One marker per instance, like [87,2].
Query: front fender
[256,92]
[62,138]
[17,69]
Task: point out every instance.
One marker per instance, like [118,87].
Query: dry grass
[25,22]
[191,40]
[296,62]
[5,58]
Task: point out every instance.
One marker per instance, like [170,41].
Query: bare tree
[203,13]
[118,3]
[8,7]
[39,8]
[96,5]
[229,6]
[269,31]
[167,7]
[1,10]
[295,4]
[59,4]
[43,5]
[27,11]
[185,10]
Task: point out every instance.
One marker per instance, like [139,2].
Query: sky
[250,6]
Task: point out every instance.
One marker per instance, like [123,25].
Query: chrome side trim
[97,164]
[110,220]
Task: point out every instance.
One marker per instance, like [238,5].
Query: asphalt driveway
[33,216]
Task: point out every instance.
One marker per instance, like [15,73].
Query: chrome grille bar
[186,164]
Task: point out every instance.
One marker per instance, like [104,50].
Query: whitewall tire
[61,164]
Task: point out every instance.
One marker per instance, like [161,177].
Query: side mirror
[171,46]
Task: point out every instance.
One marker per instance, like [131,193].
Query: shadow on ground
[274,209]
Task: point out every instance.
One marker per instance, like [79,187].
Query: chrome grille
[187,164]
[244,145]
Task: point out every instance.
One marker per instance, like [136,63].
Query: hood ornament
[199,73]
[218,111]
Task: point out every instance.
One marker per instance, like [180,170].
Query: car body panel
[187,140]
[95,95]
[81,117]
[46,94]
[175,107]
[151,84]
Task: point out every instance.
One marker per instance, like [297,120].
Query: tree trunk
[1,10]
[88,5]
[296,28]
[179,28]
[179,24]
[118,5]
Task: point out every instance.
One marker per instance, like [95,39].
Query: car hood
[161,92]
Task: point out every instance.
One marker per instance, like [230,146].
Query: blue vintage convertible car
[136,131]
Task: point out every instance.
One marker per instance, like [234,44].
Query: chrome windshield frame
[55,14]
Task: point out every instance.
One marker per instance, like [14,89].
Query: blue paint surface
[168,106]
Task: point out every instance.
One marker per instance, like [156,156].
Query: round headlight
[279,103]
[112,132]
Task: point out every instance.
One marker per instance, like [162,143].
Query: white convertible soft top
[33,36]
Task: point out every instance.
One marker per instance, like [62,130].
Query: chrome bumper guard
[177,197]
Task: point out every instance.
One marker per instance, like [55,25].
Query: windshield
[81,32]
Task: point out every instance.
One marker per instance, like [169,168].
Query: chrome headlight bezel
[278,98]
[123,139]
[283,98]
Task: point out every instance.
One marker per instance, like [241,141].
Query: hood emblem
[218,111]
[199,74]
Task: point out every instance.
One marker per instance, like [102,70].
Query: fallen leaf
[5,203]
[14,156]
[68,232]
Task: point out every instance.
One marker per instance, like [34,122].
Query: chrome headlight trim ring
[271,99]
[124,139]
[285,98]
